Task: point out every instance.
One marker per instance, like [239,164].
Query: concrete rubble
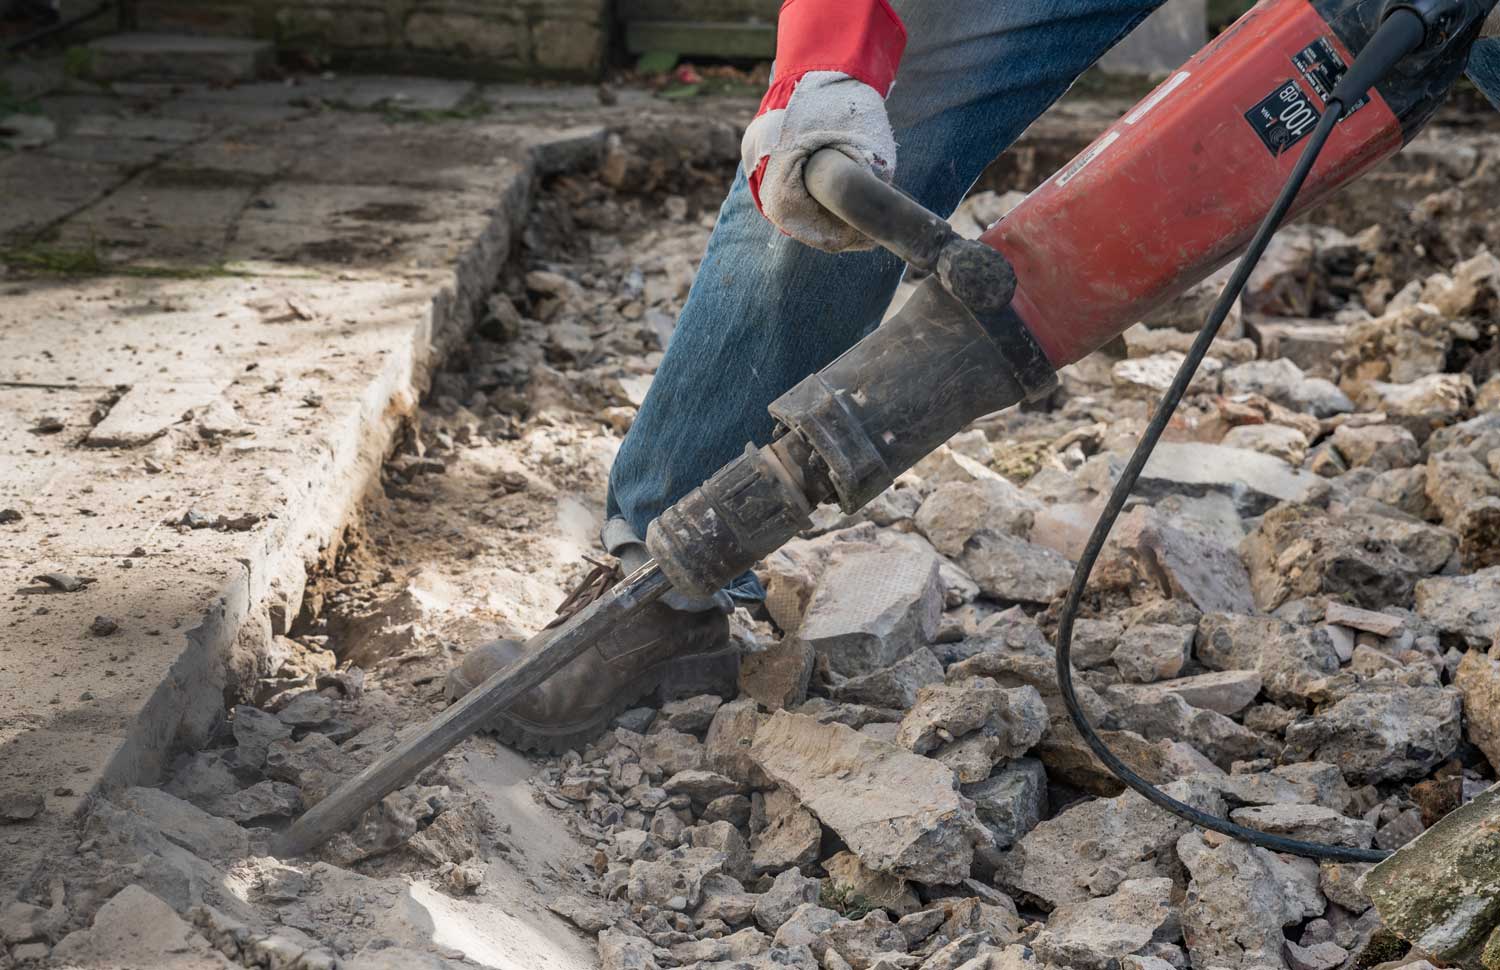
[1294,625]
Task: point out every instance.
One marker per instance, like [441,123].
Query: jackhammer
[1295,100]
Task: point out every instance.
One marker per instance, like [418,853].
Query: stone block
[490,36]
[303,25]
[218,60]
[696,38]
[568,47]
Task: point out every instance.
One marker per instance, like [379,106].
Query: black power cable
[1401,32]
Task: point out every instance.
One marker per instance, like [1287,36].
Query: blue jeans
[766,311]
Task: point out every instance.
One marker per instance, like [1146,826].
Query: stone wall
[483,38]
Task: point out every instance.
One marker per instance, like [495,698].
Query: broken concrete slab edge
[189,700]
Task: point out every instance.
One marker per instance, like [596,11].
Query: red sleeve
[861,38]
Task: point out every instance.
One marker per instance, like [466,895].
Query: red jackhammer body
[1177,186]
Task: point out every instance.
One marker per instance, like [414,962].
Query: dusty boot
[660,651]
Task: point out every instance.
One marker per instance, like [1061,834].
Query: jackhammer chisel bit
[343,807]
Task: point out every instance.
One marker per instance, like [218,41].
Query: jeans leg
[1484,68]
[765,311]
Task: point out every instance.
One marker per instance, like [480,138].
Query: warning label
[1283,117]
[1322,67]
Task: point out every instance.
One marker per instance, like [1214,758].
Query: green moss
[53,261]
[12,104]
[78,63]
[73,262]
[1020,460]
[468,109]
[1383,947]
[842,899]
[1490,956]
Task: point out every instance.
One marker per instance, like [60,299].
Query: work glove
[836,62]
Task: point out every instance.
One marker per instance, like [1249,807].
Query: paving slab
[161,216]
[38,190]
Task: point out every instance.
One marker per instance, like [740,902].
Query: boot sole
[704,673]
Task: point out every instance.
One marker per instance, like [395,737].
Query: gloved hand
[835,64]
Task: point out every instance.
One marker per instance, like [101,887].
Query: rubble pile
[1291,627]
[1295,624]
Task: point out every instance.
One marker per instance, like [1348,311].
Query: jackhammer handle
[876,208]
[977,274]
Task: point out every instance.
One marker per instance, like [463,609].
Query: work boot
[660,651]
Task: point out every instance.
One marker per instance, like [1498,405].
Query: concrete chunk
[1254,481]
[1015,571]
[1095,934]
[1311,823]
[135,928]
[1160,716]
[1204,572]
[944,713]
[895,686]
[1239,898]
[872,607]
[1012,801]
[1293,662]
[1149,652]
[1062,857]
[1466,605]
[1478,679]
[1441,891]
[1382,732]
[1227,691]
[899,812]
[790,839]
[957,511]
[192,828]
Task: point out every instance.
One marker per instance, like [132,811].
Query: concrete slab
[218,59]
[363,149]
[249,150]
[140,128]
[512,97]
[114,152]
[161,216]
[349,225]
[39,190]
